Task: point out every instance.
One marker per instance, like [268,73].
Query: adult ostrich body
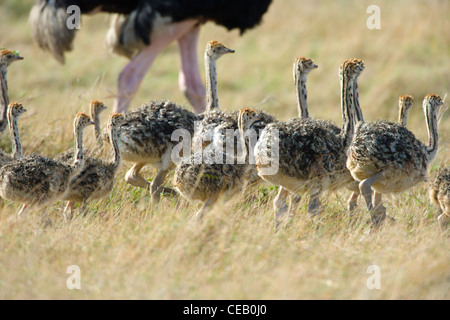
[141,29]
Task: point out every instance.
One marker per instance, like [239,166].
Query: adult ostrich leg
[190,82]
[141,29]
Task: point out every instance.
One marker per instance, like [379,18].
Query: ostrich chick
[14,111]
[7,57]
[386,157]
[37,180]
[96,178]
[439,192]
[206,177]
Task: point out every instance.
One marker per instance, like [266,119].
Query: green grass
[127,248]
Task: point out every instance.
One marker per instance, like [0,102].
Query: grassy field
[125,248]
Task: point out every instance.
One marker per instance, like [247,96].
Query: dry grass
[127,249]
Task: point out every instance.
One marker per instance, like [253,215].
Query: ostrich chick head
[7,57]
[215,50]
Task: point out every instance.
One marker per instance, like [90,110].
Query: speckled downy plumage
[95,180]
[386,157]
[7,57]
[311,153]
[439,192]
[15,109]
[145,137]
[201,177]
[37,180]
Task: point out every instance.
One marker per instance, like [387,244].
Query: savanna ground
[125,248]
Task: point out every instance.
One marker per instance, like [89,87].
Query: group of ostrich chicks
[368,158]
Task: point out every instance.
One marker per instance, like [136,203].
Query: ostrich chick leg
[68,211]
[133,177]
[204,209]
[22,210]
[156,186]
[280,206]
[131,76]
[377,214]
[314,201]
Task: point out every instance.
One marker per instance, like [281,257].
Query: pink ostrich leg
[189,78]
[131,76]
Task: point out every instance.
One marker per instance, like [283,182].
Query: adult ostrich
[140,29]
